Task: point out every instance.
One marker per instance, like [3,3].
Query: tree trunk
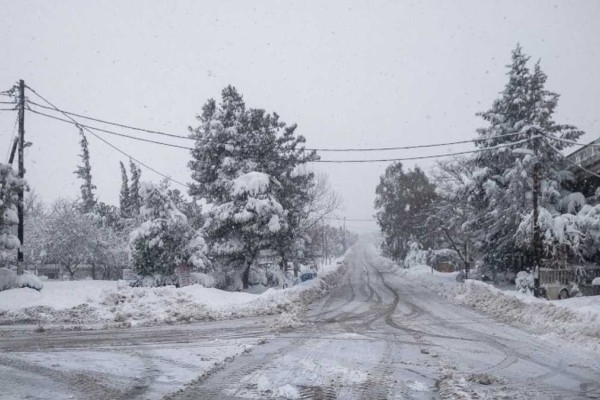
[246,275]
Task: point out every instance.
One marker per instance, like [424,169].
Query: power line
[115,123]
[88,127]
[109,132]
[568,159]
[352,219]
[419,146]
[426,157]
[108,143]
[356,149]
[570,141]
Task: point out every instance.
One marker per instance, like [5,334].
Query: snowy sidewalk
[111,303]
[576,319]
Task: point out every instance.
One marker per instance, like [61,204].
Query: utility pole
[325,247]
[13,151]
[323,244]
[21,173]
[537,236]
[344,235]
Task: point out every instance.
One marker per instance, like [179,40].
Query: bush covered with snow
[165,239]
[416,255]
[29,280]
[10,280]
[524,282]
[199,278]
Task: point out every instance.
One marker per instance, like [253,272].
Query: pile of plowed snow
[105,302]
[576,319]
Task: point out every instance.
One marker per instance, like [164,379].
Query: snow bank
[576,319]
[81,302]
[10,280]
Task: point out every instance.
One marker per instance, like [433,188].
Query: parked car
[569,282]
[308,276]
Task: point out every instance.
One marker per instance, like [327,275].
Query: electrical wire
[427,157]
[73,122]
[109,132]
[108,143]
[88,127]
[568,159]
[570,141]
[114,123]
[357,149]
[419,146]
[351,219]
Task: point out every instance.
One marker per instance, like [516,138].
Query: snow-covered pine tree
[134,195]
[284,158]
[164,240]
[124,197]
[84,172]
[501,186]
[234,144]
[401,199]
[10,184]
[249,222]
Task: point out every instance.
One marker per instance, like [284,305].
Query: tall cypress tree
[84,172]
[124,197]
[135,200]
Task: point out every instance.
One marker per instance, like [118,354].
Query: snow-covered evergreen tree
[249,222]
[401,199]
[135,201]
[190,208]
[10,184]
[164,240]
[84,172]
[501,185]
[234,144]
[124,197]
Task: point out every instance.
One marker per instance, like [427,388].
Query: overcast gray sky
[349,73]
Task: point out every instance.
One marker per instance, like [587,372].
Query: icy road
[373,337]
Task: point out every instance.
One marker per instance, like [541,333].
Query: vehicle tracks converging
[372,336]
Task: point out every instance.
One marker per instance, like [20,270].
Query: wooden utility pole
[325,247]
[13,151]
[344,235]
[323,244]
[21,174]
[537,235]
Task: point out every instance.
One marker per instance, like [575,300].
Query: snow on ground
[118,372]
[577,319]
[109,302]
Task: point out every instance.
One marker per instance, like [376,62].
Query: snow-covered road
[376,336]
